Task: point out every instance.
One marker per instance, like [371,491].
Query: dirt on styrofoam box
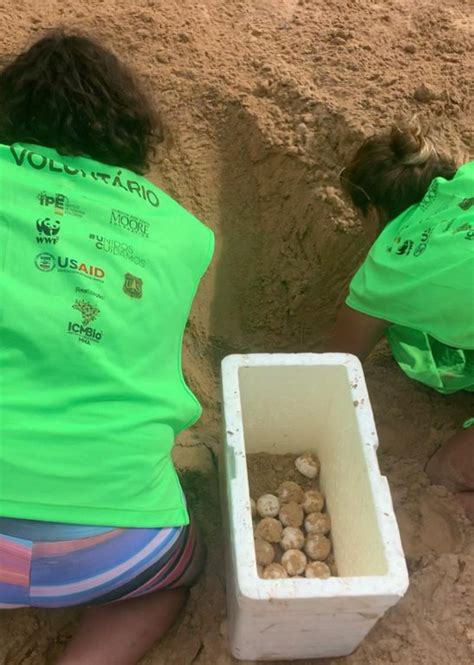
[288,403]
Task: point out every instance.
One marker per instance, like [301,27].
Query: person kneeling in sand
[98,272]
[417,282]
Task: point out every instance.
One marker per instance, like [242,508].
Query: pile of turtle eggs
[292,530]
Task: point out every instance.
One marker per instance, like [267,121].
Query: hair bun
[409,144]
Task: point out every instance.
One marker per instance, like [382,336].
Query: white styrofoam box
[288,403]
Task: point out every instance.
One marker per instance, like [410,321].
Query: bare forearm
[356,333]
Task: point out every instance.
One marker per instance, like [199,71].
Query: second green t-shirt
[419,275]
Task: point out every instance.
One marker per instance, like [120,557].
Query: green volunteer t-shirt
[98,271]
[419,275]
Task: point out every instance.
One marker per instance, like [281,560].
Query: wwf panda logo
[48,227]
[48,230]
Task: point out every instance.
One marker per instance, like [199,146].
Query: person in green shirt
[416,285]
[98,271]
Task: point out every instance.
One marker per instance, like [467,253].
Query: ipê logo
[62,205]
[84,332]
[45,262]
[48,230]
[57,200]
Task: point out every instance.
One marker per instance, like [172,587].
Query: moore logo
[130,223]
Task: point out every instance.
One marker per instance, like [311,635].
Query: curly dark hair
[69,93]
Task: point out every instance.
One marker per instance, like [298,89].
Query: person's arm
[356,333]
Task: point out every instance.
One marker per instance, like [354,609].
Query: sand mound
[262,101]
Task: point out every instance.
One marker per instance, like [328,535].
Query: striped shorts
[59,565]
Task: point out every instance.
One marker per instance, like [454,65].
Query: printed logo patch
[48,230]
[466,203]
[430,196]
[464,227]
[425,238]
[84,332]
[133,286]
[406,248]
[117,248]
[89,312]
[130,223]
[60,203]
[47,262]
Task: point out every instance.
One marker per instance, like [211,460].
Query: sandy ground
[262,99]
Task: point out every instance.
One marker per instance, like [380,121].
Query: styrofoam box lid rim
[255,588]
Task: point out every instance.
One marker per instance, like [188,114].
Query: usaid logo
[47,262]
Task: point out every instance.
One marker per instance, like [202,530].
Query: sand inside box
[267,472]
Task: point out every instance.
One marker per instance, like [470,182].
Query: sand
[262,100]
[268,472]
